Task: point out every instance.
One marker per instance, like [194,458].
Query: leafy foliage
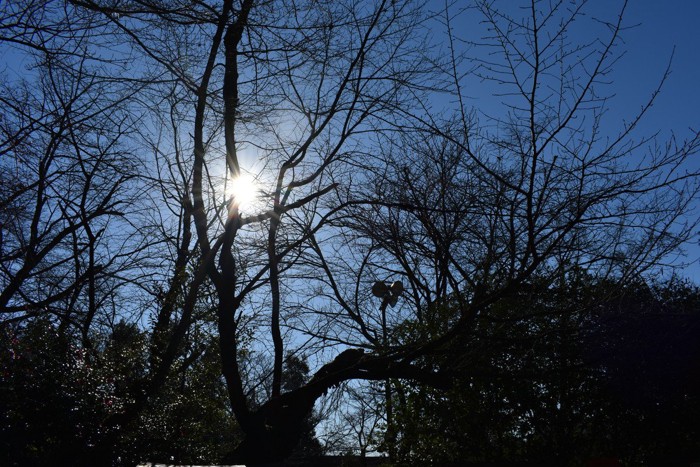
[560,374]
[51,387]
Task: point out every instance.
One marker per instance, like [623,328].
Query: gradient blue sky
[661,26]
[654,29]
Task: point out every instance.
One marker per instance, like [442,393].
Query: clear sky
[663,25]
[654,29]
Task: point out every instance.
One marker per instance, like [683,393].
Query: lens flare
[243,191]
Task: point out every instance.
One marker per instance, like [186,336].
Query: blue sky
[658,27]
[661,26]
[658,30]
[655,30]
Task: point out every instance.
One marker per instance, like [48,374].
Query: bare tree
[300,83]
[83,238]
[353,419]
[67,182]
[473,211]
[326,105]
[481,203]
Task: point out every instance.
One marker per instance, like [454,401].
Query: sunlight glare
[245,192]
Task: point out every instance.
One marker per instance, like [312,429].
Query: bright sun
[245,192]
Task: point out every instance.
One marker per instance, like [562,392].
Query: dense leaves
[59,400]
[562,374]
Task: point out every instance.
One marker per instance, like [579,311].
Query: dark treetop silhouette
[160,105]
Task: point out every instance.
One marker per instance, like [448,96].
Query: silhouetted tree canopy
[227,224]
[560,374]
